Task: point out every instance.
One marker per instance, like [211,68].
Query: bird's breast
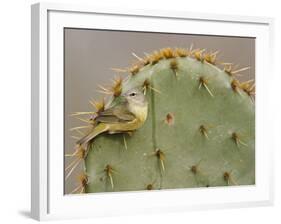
[140,111]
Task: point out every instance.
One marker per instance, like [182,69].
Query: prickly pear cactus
[200,130]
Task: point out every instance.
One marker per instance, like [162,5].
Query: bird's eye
[132,94]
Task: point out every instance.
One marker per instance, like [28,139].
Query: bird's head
[135,95]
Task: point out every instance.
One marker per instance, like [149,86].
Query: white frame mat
[48,199]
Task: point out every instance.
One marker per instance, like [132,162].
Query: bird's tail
[100,128]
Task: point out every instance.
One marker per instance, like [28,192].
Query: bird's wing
[116,114]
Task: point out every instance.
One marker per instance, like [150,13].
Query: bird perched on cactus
[128,115]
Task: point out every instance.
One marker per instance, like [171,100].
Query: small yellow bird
[128,115]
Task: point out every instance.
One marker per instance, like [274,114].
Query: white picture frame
[48,200]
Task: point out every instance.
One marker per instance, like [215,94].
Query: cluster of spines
[79,154]
[115,89]
[166,53]
[83,180]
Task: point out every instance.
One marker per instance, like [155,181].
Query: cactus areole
[199,131]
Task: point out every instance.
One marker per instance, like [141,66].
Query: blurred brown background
[89,55]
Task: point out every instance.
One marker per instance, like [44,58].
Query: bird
[126,116]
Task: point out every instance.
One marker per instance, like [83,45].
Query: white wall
[15,110]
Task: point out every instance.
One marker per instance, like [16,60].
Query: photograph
[157,111]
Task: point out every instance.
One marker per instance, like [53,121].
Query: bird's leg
[125,142]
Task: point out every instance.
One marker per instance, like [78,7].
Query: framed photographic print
[148,111]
